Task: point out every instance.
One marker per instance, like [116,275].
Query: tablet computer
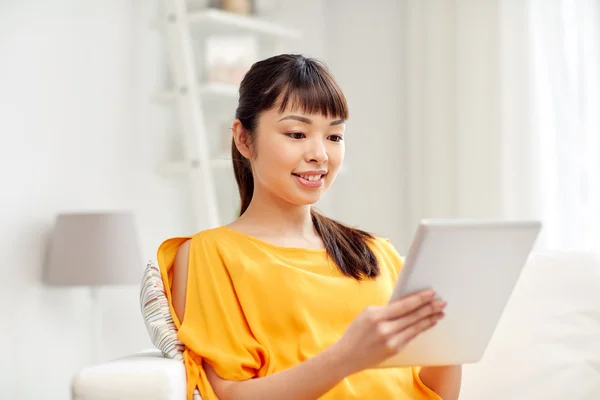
[473,266]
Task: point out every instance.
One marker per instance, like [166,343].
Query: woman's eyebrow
[308,121]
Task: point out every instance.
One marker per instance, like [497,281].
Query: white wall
[77,133]
[362,48]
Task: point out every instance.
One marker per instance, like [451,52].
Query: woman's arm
[308,380]
[445,381]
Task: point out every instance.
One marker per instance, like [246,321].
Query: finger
[425,311]
[427,291]
[392,327]
[404,337]
[408,304]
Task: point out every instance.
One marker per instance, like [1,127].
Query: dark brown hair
[309,86]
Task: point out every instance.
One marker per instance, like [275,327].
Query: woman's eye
[296,135]
[336,138]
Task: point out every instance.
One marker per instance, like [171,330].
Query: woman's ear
[241,138]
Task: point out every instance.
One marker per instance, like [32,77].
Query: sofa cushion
[547,344]
[145,375]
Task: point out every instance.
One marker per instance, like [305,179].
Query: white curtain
[501,101]
[466,102]
[565,38]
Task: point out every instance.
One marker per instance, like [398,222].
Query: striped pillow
[157,315]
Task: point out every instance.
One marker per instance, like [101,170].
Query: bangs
[309,88]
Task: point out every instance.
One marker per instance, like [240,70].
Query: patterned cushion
[157,316]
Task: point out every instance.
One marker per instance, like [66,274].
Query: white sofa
[547,345]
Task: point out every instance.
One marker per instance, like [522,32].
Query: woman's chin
[306,199]
[310,200]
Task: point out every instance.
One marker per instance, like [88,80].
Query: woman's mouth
[310,181]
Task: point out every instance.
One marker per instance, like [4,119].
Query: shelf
[220,21]
[215,21]
[221,90]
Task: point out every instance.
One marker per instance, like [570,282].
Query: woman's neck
[267,216]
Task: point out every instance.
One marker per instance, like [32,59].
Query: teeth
[311,178]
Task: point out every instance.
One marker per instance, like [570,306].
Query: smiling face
[295,156]
[288,132]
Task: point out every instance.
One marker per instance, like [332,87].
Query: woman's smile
[310,179]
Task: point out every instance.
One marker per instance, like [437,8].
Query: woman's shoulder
[205,236]
[209,236]
[207,239]
[387,253]
[383,244]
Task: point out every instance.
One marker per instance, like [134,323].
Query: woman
[284,303]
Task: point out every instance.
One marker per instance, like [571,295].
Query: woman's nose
[317,152]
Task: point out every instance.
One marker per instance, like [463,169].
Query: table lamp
[94,250]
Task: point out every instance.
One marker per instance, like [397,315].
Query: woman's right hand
[382,331]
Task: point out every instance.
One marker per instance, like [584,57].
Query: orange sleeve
[214,328]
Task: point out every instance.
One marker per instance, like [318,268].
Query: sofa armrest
[145,375]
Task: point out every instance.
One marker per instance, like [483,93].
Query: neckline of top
[272,245]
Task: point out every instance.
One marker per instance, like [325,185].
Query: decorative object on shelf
[228,58]
[237,6]
[94,250]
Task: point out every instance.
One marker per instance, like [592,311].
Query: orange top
[254,308]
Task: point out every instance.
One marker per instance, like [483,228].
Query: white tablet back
[474,266]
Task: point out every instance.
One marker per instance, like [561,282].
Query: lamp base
[95,325]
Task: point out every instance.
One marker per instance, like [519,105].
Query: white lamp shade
[94,249]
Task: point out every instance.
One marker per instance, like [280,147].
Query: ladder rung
[178,167]
[223,90]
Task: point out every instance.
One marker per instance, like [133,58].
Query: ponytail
[309,83]
[243,176]
[348,247]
